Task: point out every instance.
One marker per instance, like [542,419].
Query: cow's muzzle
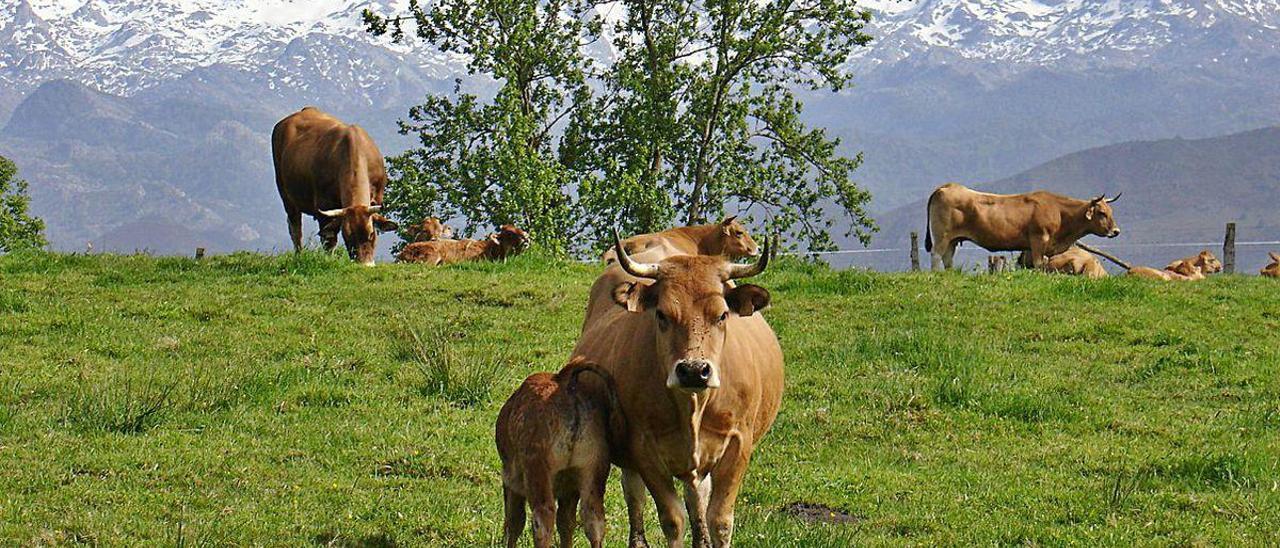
[1114,232]
[693,374]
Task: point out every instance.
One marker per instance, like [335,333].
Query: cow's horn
[639,270]
[333,212]
[1114,198]
[748,270]
[374,208]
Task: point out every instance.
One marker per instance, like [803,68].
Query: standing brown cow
[334,173]
[1042,223]
[728,238]
[699,374]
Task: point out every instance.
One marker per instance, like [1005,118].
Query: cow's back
[315,155]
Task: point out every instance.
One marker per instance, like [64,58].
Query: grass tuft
[125,406]
[445,374]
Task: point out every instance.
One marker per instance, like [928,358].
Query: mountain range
[137,119]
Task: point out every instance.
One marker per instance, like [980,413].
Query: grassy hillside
[263,400]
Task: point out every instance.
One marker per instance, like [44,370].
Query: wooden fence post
[1229,250]
[915,252]
[199,253]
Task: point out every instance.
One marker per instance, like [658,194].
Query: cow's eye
[662,318]
[723,316]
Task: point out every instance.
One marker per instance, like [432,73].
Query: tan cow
[1205,260]
[1077,262]
[1181,272]
[429,229]
[699,375]
[728,238]
[1272,270]
[334,173]
[508,241]
[556,435]
[1041,223]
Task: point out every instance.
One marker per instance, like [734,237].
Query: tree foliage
[695,116]
[18,229]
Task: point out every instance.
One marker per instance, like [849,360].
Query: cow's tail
[615,420]
[928,219]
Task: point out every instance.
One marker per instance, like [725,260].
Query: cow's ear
[384,224]
[634,296]
[1088,213]
[747,299]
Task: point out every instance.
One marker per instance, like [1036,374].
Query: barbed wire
[979,249]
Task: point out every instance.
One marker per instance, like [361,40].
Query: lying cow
[1272,270]
[728,238]
[1076,262]
[508,241]
[556,435]
[1181,271]
[1041,223]
[1205,261]
[334,173]
[430,229]
[699,375]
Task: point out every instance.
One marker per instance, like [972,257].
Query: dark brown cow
[430,229]
[1041,223]
[556,435]
[1272,270]
[334,173]
[508,241]
[728,238]
[699,375]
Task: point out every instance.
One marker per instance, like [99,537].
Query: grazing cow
[508,241]
[728,238]
[334,173]
[1077,262]
[1181,272]
[1041,223]
[556,435]
[1272,270]
[1205,260]
[429,229]
[699,375]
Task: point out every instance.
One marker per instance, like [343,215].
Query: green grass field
[294,400]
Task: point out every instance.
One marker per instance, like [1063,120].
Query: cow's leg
[634,491]
[670,514]
[1040,251]
[949,252]
[566,520]
[726,478]
[295,228]
[697,493]
[543,503]
[593,505]
[329,232]
[513,521]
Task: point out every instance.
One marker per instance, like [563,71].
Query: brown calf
[429,229]
[1077,262]
[556,436]
[1181,272]
[1272,270]
[1208,263]
[507,242]
[728,238]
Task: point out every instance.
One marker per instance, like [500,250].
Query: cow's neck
[708,238]
[1074,226]
[689,409]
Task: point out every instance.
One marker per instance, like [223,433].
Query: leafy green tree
[494,162]
[700,104]
[695,115]
[18,229]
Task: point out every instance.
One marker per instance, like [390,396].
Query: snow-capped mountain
[123,47]
[1075,33]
